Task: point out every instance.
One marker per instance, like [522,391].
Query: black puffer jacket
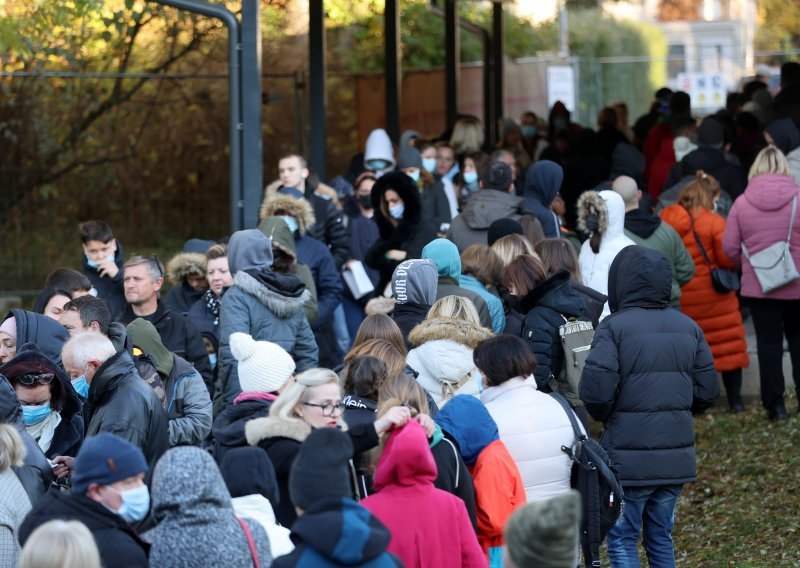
[228,428]
[329,227]
[121,403]
[118,543]
[647,365]
[411,234]
[35,473]
[545,308]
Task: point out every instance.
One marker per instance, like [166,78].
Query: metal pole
[252,140]
[316,80]
[498,39]
[234,92]
[452,60]
[391,35]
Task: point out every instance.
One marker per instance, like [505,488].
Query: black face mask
[365,201]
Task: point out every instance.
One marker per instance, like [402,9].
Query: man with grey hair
[119,401]
[647,230]
[144,277]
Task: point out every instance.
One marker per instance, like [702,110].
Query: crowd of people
[371,376]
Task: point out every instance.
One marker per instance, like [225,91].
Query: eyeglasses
[329,408]
[151,258]
[32,379]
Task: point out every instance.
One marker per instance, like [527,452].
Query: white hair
[89,346]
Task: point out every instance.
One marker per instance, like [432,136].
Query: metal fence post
[252,145]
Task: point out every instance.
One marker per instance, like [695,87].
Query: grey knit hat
[545,533]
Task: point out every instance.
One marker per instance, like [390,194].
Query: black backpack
[597,481]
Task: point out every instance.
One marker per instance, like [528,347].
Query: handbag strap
[699,244]
[788,237]
[250,542]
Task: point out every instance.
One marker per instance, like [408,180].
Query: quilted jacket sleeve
[601,378]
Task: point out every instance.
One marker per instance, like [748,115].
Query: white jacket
[533,426]
[595,267]
[258,508]
[793,158]
[440,360]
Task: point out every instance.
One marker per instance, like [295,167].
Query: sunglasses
[33,378]
[151,258]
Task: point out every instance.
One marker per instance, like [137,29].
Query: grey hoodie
[249,250]
[415,281]
[192,508]
[379,147]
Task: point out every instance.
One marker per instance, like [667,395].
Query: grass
[744,509]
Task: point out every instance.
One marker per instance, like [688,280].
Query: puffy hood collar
[770,192]
[415,281]
[641,223]
[283,294]
[249,250]
[639,277]
[543,180]
[406,460]
[467,421]
[458,331]
[342,531]
[445,254]
[184,265]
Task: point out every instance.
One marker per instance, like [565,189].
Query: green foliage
[779,25]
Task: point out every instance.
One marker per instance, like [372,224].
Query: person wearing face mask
[108,496]
[428,153]
[432,196]
[51,409]
[103,263]
[186,272]
[403,227]
[379,153]
[467,182]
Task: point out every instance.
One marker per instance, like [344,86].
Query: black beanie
[322,468]
[249,471]
[502,228]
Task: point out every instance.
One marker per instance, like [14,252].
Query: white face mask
[413,175]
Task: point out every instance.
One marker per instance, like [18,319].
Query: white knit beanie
[263,365]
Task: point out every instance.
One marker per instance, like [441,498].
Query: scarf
[212,303]
[43,431]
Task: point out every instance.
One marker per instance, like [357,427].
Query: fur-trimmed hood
[380,305]
[459,331]
[300,209]
[185,264]
[592,213]
[275,427]
[283,294]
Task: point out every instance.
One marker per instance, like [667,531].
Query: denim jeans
[651,509]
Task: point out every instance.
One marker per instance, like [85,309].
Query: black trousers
[772,320]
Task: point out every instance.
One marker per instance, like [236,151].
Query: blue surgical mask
[397,211]
[429,164]
[93,264]
[34,414]
[413,175]
[529,131]
[377,165]
[470,178]
[213,358]
[291,222]
[81,386]
[135,503]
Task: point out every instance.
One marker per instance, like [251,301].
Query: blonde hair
[284,406]
[510,247]
[770,160]
[60,544]
[382,349]
[467,135]
[402,390]
[455,307]
[12,450]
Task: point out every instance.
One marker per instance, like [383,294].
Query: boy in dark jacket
[648,366]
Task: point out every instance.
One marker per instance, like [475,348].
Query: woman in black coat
[403,228]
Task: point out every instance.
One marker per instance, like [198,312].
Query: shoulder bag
[774,265]
[723,280]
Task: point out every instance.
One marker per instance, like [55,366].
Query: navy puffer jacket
[647,365]
[545,308]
